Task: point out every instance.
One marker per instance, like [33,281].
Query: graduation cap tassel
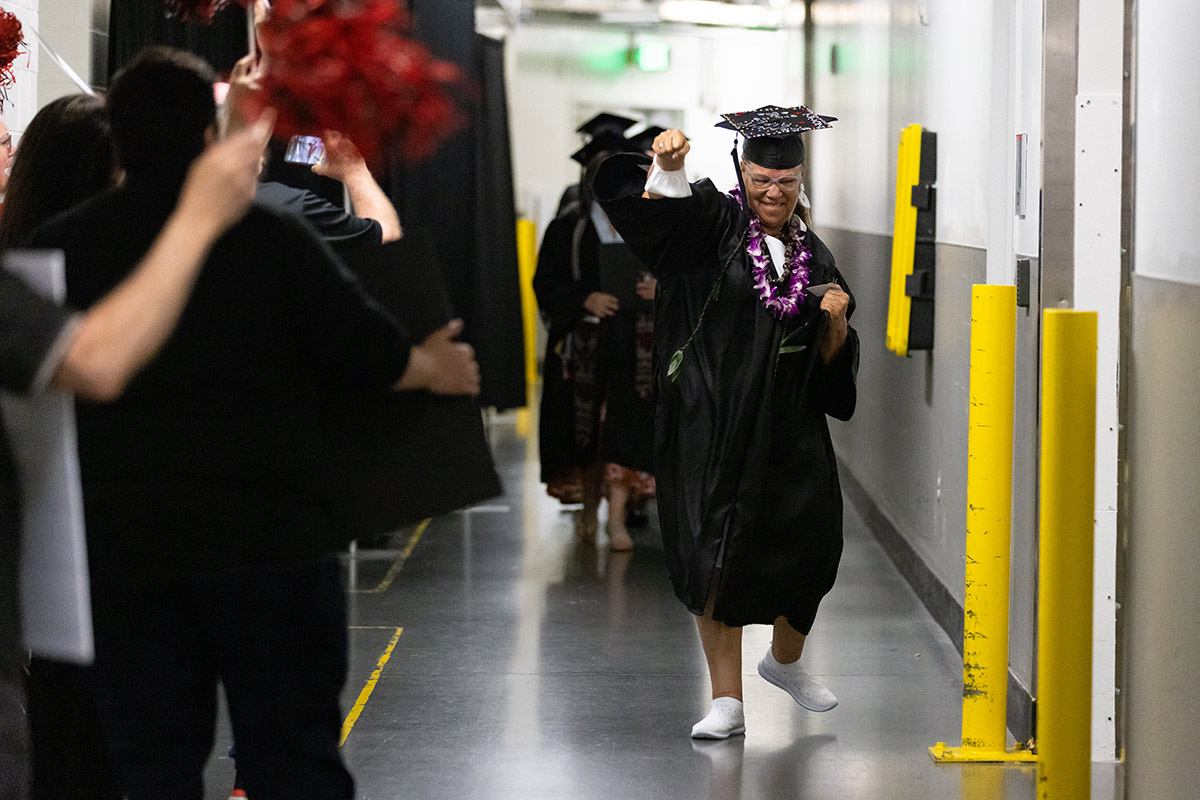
[737,170]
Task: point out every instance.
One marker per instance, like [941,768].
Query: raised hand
[341,157]
[245,81]
[670,148]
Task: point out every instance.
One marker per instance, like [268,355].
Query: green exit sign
[653,56]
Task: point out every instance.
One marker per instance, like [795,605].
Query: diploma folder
[620,271]
[401,457]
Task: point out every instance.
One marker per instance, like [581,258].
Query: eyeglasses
[788,183]
[6,141]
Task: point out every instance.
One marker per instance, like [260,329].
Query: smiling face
[772,194]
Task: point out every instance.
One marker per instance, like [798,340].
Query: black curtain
[463,196]
[133,24]
[497,289]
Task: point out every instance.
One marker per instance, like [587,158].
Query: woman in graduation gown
[750,363]
[596,422]
[567,286]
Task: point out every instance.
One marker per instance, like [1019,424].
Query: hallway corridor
[528,667]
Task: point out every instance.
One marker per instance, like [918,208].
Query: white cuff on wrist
[668,183]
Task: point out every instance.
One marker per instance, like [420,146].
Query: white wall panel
[1168,162]
[65,27]
[854,166]
[891,71]
[1098,287]
[1028,116]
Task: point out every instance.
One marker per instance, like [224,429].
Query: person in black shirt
[94,355]
[208,539]
[337,227]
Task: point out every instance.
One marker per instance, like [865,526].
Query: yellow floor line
[394,569]
[365,694]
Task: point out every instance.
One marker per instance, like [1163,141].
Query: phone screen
[305,150]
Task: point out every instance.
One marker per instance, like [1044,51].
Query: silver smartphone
[305,150]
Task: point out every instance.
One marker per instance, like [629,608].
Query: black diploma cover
[620,272]
[401,457]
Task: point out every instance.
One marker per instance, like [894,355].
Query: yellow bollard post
[989,517]
[526,265]
[989,523]
[1067,488]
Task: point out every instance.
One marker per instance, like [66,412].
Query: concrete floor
[531,668]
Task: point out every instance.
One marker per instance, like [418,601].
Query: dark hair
[160,105]
[66,156]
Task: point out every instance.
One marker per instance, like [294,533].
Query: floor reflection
[537,667]
[789,771]
[725,760]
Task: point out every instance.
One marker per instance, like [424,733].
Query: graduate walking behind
[753,352]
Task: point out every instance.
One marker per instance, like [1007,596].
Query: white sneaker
[797,681]
[725,718]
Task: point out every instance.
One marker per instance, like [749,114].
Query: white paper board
[56,609]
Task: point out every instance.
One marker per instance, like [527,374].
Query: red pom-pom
[12,39]
[346,65]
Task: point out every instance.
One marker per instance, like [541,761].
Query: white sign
[56,611]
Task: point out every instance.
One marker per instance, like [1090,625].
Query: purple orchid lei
[781,302]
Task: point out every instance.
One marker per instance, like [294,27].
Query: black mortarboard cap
[604,121]
[772,136]
[773,133]
[774,121]
[644,140]
[606,141]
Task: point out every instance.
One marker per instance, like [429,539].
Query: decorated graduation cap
[772,136]
[606,141]
[605,121]
[642,141]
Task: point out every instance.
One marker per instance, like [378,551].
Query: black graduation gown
[561,287]
[743,459]
[628,438]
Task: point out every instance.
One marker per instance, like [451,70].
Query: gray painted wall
[1162,603]
[907,443]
